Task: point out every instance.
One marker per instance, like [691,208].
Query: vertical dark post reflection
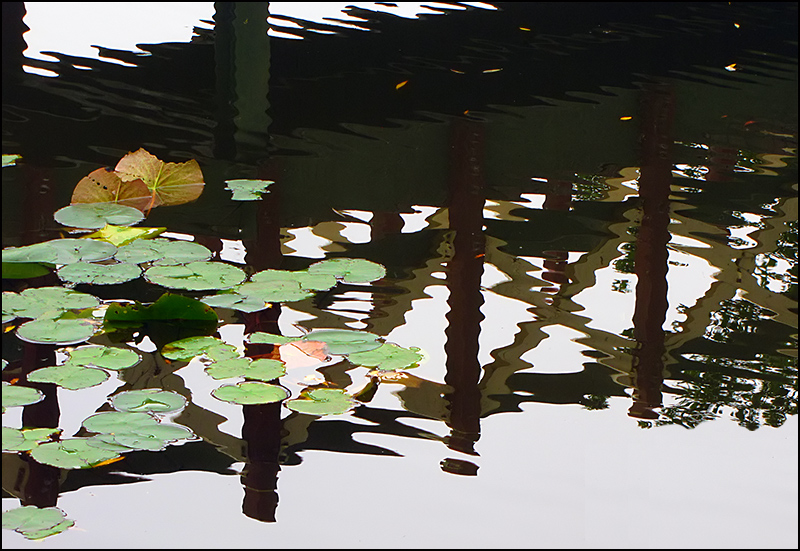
[466,202]
[651,266]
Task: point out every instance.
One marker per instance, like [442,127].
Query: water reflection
[637,244]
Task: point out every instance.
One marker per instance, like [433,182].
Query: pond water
[585,221]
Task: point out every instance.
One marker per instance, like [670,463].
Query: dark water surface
[588,217]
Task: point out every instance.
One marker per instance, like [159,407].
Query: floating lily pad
[99,274]
[349,270]
[15,395]
[17,440]
[262,369]
[48,302]
[169,183]
[247,190]
[73,377]
[344,341]
[322,401]
[111,422]
[268,338]
[122,235]
[148,400]
[248,393]
[72,453]
[97,215]
[303,278]
[106,357]
[387,357]
[137,431]
[61,331]
[196,276]
[186,349]
[10,160]
[61,251]
[36,523]
[163,252]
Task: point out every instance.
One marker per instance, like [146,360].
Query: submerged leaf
[105,186]
[169,183]
[247,190]
[248,393]
[97,215]
[322,401]
[168,307]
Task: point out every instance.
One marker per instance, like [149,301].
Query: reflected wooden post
[558,197]
[466,202]
[651,251]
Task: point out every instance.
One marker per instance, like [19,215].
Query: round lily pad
[148,400]
[247,190]
[261,369]
[99,274]
[15,395]
[186,349]
[306,280]
[61,331]
[248,393]
[46,302]
[97,215]
[387,357]
[344,341]
[72,453]
[110,422]
[61,251]
[36,523]
[322,401]
[196,276]
[26,439]
[349,270]
[162,252]
[106,357]
[73,377]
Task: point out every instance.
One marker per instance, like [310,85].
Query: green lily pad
[322,401]
[148,400]
[61,251]
[303,278]
[137,431]
[268,338]
[247,190]
[388,357]
[196,276]
[15,395]
[97,215]
[48,302]
[72,453]
[99,274]
[18,440]
[248,393]
[36,523]
[10,160]
[73,377]
[60,331]
[186,349]
[162,252]
[111,422]
[261,369]
[349,270]
[344,341]
[107,357]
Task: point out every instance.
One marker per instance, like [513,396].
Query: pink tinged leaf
[105,186]
[169,183]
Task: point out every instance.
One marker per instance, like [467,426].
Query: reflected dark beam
[466,189]
[658,113]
